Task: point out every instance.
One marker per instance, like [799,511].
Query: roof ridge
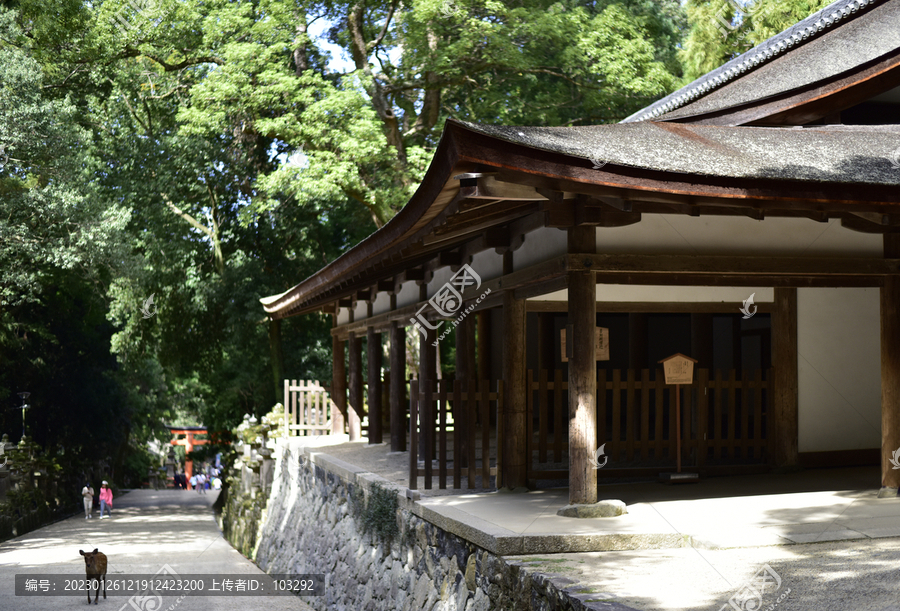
[792,37]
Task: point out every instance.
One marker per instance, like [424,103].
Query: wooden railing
[452,420]
[307,408]
[723,419]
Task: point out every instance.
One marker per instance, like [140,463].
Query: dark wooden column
[582,371]
[375,356]
[398,387]
[637,342]
[514,472]
[547,341]
[463,362]
[890,372]
[355,409]
[702,340]
[484,344]
[784,427]
[338,385]
[427,371]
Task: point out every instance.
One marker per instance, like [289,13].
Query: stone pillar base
[601,509]
[887,493]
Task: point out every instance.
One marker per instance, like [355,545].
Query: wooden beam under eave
[734,265]
[651,307]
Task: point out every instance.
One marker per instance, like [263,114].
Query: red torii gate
[187,436]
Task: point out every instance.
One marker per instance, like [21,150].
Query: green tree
[720,30]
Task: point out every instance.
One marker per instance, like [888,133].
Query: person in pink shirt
[105,499]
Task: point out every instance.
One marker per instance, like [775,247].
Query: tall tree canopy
[207,153]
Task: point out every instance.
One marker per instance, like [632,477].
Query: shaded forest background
[166,163]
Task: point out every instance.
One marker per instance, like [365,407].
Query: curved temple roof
[487,179]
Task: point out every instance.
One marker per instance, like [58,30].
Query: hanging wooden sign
[678,369]
[601,344]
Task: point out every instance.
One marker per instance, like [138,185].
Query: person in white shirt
[87,494]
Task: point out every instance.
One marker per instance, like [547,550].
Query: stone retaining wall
[359,531]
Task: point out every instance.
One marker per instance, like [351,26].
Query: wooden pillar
[547,341]
[398,387]
[582,371]
[702,340]
[427,371]
[514,468]
[374,358]
[338,386]
[463,363]
[737,344]
[890,372]
[784,427]
[464,372]
[484,344]
[637,342]
[355,409]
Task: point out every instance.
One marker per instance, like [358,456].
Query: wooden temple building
[750,220]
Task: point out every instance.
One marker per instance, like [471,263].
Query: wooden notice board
[601,344]
[678,369]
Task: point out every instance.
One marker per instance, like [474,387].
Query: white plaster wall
[539,246]
[728,235]
[653,293]
[343,316]
[441,277]
[382,303]
[488,264]
[408,295]
[361,312]
[838,341]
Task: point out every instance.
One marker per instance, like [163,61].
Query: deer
[95,566]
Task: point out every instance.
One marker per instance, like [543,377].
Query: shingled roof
[825,153]
[699,151]
[841,37]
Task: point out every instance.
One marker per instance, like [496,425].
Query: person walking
[106,499]
[87,493]
[201,483]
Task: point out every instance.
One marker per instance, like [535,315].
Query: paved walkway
[148,530]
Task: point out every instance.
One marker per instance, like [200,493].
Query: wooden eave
[451,220]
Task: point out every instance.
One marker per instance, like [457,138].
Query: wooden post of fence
[285,404]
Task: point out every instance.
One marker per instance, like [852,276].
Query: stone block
[601,509]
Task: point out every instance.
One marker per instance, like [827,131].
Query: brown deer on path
[95,566]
